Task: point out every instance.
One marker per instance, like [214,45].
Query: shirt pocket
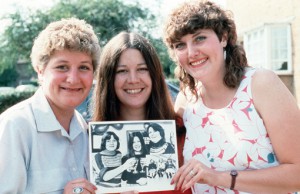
[47,181]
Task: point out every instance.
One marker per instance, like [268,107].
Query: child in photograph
[108,161]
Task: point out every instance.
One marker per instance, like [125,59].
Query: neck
[217,96]
[127,114]
[63,116]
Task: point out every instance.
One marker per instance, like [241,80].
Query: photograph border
[115,167]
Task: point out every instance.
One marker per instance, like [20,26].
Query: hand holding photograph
[133,155]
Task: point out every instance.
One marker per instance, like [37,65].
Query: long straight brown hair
[106,105]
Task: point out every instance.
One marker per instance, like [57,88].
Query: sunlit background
[161,6]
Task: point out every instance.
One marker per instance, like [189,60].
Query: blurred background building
[270,34]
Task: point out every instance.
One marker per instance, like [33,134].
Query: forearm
[113,173]
[279,179]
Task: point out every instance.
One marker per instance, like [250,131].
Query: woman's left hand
[190,173]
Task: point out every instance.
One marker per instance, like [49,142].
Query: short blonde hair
[70,34]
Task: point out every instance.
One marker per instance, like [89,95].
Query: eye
[143,69]
[121,71]
[200,38]
[179,46]
[62,67]
[85,67]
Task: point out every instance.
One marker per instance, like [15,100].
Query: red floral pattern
[233,137]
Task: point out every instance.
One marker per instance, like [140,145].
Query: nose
[193,51]
[133,77]
[73,76]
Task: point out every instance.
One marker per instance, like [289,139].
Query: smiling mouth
[199,62]
[134,91]
[71,89]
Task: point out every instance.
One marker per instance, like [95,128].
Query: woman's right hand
[80,183]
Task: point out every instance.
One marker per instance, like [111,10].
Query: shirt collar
[44,116]
[46,120]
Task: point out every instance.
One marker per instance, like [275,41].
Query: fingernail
[172,182]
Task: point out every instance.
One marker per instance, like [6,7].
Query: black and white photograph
[133,155]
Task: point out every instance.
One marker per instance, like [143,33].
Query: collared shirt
[37,155]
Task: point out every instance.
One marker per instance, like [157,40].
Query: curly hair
[71,34]
[106,105]
[194,15]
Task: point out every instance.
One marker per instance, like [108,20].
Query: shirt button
[74,169]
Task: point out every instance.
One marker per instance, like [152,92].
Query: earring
[224,53]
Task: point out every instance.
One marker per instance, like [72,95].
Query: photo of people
[137,150]
[138,155]
[158,143]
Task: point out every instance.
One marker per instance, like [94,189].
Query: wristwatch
[233,174]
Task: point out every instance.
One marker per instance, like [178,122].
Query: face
[154,135]
[201,54]
[133,83]
[111,144]
[136,144]
[67,79]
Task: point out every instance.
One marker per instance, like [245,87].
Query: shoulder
[17,110]
[17,118]
[264,76]
[266,83]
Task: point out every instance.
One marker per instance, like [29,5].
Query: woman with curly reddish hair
[242,122]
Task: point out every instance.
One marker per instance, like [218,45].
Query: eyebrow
[139,64]
[66,61]
[197,33]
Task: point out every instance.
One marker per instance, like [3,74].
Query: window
[269,46]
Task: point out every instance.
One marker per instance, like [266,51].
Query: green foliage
[167,63]
[8,77]
[108,17]
[9,99]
